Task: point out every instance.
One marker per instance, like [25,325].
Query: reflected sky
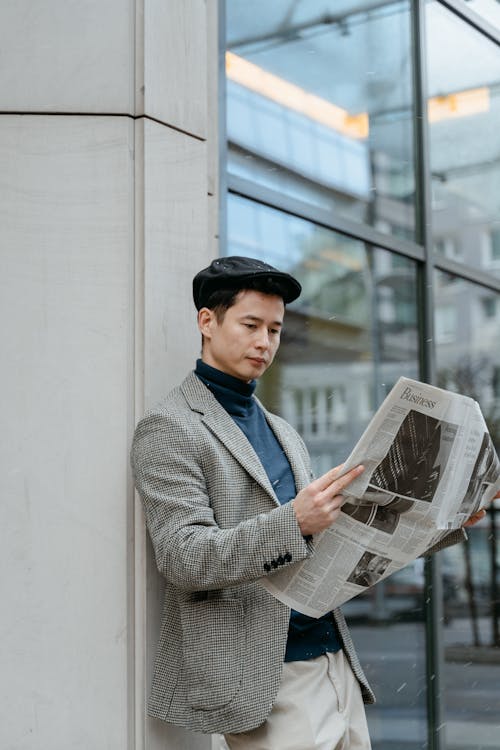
[320,105]
[464,79]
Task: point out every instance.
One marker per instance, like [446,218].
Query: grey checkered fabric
[216,524]
[216,527]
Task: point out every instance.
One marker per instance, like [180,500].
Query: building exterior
[352,143]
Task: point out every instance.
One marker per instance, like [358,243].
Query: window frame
[428,262]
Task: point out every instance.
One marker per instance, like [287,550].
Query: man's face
[244,343]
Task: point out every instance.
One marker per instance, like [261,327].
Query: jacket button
[281,560]
[274,563]
[267,567]
[288,557]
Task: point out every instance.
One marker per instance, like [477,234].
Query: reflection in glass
[464,118]
[346,341]
[353,329]
[468,361]
[488,9]
[320,104]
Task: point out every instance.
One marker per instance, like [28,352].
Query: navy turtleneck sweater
[307,637]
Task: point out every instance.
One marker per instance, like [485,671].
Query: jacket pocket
[212,645]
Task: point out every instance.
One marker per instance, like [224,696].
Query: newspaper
[429,465]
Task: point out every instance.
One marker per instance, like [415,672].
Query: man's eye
[250,325]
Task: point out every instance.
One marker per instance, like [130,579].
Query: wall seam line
[36,113]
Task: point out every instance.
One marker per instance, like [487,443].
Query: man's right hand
[318,505]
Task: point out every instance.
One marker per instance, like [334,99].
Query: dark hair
[222,299]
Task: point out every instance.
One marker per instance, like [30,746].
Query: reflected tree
[475,377]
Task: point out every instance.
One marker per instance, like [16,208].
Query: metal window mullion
[471,17]
[222,128]
[462,271]
[434,651]
[322,217]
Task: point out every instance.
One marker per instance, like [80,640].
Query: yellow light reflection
[460,104]
[342,257]
[289,95]
[313,264]
[255,78]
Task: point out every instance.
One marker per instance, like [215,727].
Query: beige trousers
[318,707]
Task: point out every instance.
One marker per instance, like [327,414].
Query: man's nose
[263,339]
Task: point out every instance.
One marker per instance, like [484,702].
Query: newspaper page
[429,465]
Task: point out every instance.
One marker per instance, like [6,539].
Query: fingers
[326,479]
[475,518]
[495,497]
[329,512]
[318,505]
[331,477]
[338,485]
[336,503]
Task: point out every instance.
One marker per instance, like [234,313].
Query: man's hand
[318,505]
[480,514]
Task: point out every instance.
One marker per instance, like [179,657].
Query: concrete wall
[108,187]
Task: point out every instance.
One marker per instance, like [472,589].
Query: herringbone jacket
[216,527]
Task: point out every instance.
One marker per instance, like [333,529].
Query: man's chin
[256,369]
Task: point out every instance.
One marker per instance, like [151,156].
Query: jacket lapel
[217,420]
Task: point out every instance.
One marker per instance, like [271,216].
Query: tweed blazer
[217,527]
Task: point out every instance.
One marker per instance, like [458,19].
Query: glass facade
[321,108]
[488,9]
[464,120]
[468,361]
[347,339]
[391,221]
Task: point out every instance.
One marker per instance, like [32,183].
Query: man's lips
[258,360]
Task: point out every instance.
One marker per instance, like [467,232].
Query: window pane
[469,362]
[320,105]
[346,341]
[464,119]
[489,9]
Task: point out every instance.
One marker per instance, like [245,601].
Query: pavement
[393,656]
[467,654]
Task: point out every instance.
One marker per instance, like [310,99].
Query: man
[229,498]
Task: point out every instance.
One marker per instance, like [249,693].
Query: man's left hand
[480,514]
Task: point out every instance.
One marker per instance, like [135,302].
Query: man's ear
[206,321]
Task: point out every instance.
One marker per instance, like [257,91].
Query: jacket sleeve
[191,550]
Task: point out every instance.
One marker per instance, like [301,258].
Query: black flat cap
[235,272]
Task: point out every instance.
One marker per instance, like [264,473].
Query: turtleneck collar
[232,393]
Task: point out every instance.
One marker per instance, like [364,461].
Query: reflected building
[363,157]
